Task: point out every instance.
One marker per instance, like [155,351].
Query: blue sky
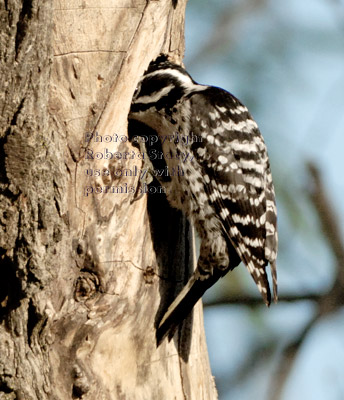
[285,62]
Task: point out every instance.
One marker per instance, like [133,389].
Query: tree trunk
[86,273]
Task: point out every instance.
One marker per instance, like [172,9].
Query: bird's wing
[237,178]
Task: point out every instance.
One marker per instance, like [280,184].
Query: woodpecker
[226,187]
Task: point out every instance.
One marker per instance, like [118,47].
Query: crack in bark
[143,270]
[90,52]
[23,25]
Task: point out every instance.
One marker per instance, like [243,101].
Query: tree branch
[252,301]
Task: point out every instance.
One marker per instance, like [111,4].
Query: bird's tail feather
[274,279]
[183,304]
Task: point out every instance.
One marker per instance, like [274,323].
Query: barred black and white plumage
[226,187]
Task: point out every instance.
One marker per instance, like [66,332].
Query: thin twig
[227,299]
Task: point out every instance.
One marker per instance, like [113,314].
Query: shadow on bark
[172,240]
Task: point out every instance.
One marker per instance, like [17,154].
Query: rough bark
[85,274]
